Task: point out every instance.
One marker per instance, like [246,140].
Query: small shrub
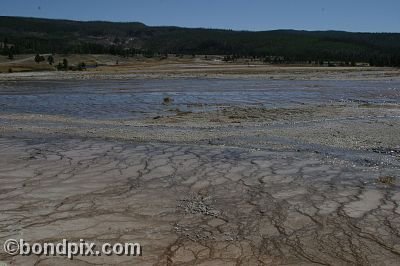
[387,180]
[60,66]
[81,66]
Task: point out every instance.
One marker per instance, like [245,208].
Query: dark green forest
[34,35]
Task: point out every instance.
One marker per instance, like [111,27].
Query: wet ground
[224,172]
[136,98]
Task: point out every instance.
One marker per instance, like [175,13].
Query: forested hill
[35,35]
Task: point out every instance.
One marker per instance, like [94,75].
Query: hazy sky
[350,15]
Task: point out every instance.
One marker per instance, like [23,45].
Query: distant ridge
[41,35]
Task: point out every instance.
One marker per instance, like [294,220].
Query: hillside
[35,35]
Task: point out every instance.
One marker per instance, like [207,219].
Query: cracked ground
[308,183]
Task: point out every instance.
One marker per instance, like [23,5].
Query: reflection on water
[133,98]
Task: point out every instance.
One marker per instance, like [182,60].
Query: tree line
[30,35]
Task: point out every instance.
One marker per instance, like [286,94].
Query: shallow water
[136,98]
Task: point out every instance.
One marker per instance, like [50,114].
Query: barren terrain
[207,165]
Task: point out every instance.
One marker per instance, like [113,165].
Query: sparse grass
[387,180]
[25,67]
[387,106]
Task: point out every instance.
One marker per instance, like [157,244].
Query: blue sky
[349,15]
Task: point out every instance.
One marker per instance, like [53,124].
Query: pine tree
[11,53]
[37,58]
[65,64]
[50,59]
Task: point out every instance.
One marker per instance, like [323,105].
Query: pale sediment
[197,204]
[226,184]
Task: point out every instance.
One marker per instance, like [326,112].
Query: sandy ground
[314,183]
[115,67]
